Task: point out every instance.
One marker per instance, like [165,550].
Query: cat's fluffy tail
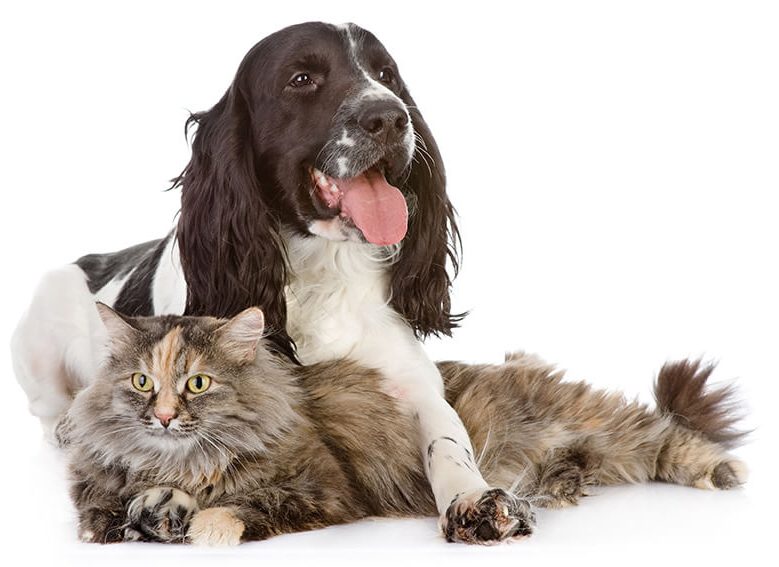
[681,392]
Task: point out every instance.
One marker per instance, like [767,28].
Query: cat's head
[174,385]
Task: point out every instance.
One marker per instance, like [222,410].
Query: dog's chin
[337,229]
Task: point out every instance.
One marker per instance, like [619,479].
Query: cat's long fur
[295,448]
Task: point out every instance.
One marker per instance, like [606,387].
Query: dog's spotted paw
[487,518]
[159,514]
[215,527]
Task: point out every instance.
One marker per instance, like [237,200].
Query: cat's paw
[99,526]
[562,480]
[215,527]
[487,517]
[159,514]
[725,476]
[562,489]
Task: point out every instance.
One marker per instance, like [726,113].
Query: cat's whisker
[483,451]
[218,446]
[235,461]
[200,446]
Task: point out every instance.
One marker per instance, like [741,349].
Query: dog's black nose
[385,120]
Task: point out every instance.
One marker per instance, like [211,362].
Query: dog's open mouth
[376,208]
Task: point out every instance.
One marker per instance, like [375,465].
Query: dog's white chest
[337,298]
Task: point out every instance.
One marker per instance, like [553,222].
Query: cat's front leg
[258,513]
[101,514]
[161,514]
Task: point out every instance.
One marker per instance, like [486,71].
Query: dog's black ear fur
[420,283]
[231,250]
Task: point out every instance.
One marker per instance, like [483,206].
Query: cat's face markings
[204,385]
[166,365]
[176,372]
[166,356]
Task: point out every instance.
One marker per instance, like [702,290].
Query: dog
[316,191]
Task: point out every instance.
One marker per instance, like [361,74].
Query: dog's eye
[301,80]
[386,76]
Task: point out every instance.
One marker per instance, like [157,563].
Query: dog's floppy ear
[420,282]
[231,250]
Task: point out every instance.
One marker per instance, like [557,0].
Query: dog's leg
[471,511]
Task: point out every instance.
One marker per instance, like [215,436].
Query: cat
[194,432]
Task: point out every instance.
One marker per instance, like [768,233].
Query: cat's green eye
[142,383]
[198,383]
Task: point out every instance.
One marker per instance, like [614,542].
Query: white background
[615,166]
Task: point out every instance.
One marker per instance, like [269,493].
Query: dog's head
[317,134]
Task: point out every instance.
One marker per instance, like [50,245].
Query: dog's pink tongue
[376,207]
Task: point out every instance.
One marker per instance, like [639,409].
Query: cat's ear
[119,328]
[241,334]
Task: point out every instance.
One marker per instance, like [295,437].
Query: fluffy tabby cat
[195,433]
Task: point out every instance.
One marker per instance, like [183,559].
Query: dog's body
[315,191]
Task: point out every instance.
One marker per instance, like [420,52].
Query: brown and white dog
[315,191]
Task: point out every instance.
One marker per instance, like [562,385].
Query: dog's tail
[681,393]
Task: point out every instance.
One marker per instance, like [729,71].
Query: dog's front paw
[487,518]
[159,514]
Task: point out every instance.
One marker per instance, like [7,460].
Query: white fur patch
[59,342]
[216,527]
[343,166]
[345,140]
[335,229]
[87,536]
[169,290]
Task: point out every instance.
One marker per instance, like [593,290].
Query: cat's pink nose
[165,415]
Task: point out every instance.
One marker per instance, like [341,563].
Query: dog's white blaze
[374,90]
[345,140]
